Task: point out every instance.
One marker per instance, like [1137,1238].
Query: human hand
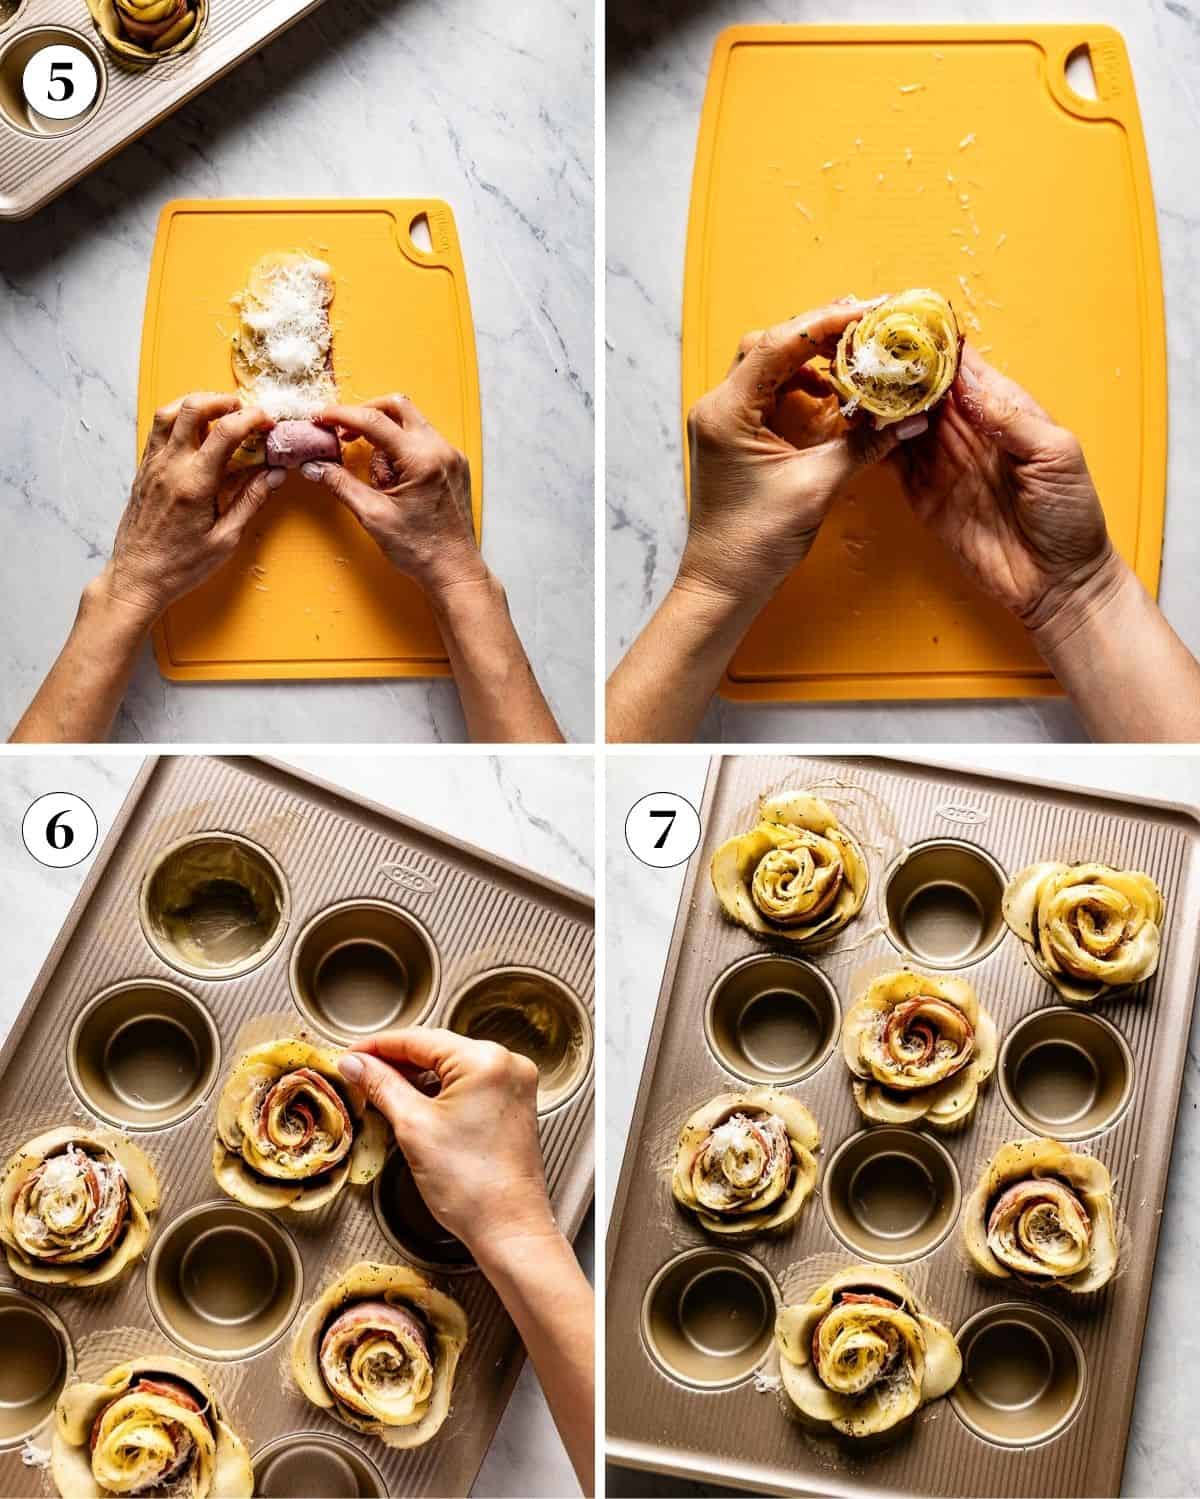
[186,512]
[770,452]
[473,1150]
[1008,491]
[417,507]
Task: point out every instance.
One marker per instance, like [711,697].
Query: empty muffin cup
[1065,1073]
[362,966]
[224,1281]
[708,1318]
[891,1194]
[771,1019]
[409,1226]
[15,54]
[1023,1375]
[943,903]
[318,1465]
[530,1012]
[38,1360]
[143,1054]
[214,905]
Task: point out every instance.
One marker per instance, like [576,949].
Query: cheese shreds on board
[283,347]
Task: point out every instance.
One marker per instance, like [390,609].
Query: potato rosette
[745,1161]
[75,1206]
[900,358]
[919,1048]
[1044,1215]
[291,1132]
[153,1424]
[147,31]
[379,1350]
[798,875]
[860,1355]
[1090,930]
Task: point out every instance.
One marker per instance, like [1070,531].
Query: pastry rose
[1044,1214]
[144,31]
[151,1424]
[1090,929]
[745,1161]
[919,1047]
[797,875]
[74,1206]
[900,358]
[291,1131]
[379,1349]
[860,1355]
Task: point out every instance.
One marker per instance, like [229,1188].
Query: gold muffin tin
[40,157]
[234,899]
[1045,1398]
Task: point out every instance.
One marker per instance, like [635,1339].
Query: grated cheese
[283,344]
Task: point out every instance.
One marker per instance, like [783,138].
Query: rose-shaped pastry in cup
[745,1161]
[899,359]
[798,875]
[142,32]
[1090,930]
[918,1047]
[1044,1214]
[151,1425]
[75,1205]
[860,1355]
[379,1349]
[291,1132]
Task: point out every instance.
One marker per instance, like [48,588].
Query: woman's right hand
[1009,492]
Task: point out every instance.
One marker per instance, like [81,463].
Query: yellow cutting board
[308,593]
[834,160]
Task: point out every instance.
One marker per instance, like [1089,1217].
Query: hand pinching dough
[379,1349]
[745,1161]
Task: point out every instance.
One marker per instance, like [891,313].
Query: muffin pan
[40,157]
[289,907]
[1045,1398]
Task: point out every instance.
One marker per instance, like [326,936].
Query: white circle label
[662,829]
[59,829]
[60,81]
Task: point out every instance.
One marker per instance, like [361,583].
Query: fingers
[862,445]
[384,1088]
[164,421]
[379,427]
[778,354]
[359,498]
[401,409]
[195,413]
[254,493]
[426,1047]
[998,407]
[225,437]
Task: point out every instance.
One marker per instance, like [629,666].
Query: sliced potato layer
[143,32]
[900,358]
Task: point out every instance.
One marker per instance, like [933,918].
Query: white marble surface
[1164,1445]
[658,60]
[489,107]
[534,810]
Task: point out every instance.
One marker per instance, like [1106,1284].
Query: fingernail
[352,1069]
[312,470]
[275,477]
[912,426]
[968,377]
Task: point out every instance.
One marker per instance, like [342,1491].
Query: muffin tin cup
[1024,1375]
[37,1361]
[1066,1073]
[363,966]
[408,1225]
[318,1465]
[17,45]
[531,1012]
[891,1194]
[708,1318]
[214,905]
[772,1019]
[143,1054]
[224,1281]
[942,903]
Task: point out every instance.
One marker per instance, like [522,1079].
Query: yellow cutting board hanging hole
[308,593]
[837,160]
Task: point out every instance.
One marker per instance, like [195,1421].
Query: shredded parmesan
[282,346]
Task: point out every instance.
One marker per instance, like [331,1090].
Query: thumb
[863,445]
[998,407]
[248,501]
[385,1089]
[341,484]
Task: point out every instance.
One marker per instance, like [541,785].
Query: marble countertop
[658,57]
[536,811]
[1164,1443]
[487,107]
